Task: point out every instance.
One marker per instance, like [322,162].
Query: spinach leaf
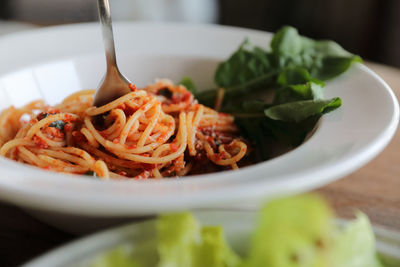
[189,84]
[233,94]
[256,131]
[334,66]
[323,59]
[58,124]
[288,123]
[301,110]
[261,131]
[207,97]
[291,133]
[293,72]
[298,92]
[296,75]
[286,41]
[249,69]
[297,84]
[246,65]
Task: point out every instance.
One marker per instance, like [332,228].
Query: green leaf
[290,133]
[297,84]
[297,231]
[354,246]
[292,232]
[234,95]
[323,59]
[120,256]
[298,92]
[287,41]
[389,261]
[296,75]
[184,243]
[301,110]
[247,71]
[246,64]
[58,124]
[259,129]
[214,251]
[279,93]
[334,66]
[189,84]
[253,129]
[178,233]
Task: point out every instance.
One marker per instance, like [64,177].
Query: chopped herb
[58,124]
[217,142]
[90,173]
[165,92]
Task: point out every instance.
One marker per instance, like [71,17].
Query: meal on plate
[168,130]
[153,132]
[293,232]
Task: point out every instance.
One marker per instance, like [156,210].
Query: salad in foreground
[292,232]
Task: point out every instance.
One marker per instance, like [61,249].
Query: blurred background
[370,28]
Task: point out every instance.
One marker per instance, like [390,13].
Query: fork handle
[108,36]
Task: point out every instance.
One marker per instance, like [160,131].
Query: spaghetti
[159,131]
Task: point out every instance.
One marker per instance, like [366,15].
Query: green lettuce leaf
[354,245]
[297,231]
[292,232]
[120,256]
[214,250]
[183,243]
[178,234]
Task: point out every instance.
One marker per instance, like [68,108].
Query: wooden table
[374,189]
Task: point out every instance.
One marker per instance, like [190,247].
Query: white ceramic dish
[53,62]
[238,226]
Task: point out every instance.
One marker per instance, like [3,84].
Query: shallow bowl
[51,63]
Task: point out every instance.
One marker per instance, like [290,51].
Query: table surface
[373,189]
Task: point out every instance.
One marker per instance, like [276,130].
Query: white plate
[54,62]
[238,226]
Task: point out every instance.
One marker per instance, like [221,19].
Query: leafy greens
[293,71]
[58,124]
[189,84]
[298,231]
[184,243]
